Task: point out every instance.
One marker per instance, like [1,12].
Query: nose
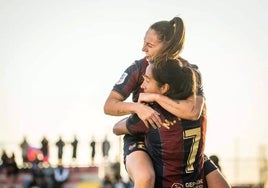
[144,49]
[143,85]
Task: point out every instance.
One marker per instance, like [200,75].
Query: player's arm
[190,108]
[120,127]
[115,105]
[130,125]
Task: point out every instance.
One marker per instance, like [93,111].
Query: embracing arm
[190,108]
[116,106]
[120,127]
[131,125]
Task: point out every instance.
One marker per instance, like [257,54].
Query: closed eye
[145,78]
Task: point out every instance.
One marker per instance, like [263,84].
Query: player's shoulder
[140,62]
[138,66]
[186,63]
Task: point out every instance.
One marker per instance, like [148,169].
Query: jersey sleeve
[135,125]
[130,80]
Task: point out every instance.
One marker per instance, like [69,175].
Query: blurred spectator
[12,168]
[107,182]
[35,155]
[60,144]
[74,145]
[38,177]
[24,151]
[105,147]
[61,176]
[119,182]
[116,169]
[93,150]
[4,160]
[48,172]
[45,149]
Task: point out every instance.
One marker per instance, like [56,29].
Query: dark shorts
[133,143]
[209,166]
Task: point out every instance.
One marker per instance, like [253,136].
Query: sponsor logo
[177,185]
[139,145]
[196,184]
[122,79]
[131,147]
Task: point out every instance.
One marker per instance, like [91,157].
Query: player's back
[177,153]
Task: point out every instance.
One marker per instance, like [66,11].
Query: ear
[164,88]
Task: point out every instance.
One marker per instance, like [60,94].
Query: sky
[60,58]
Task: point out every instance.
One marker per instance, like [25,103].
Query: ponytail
[172,35]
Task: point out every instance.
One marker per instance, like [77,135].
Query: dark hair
[181,80]
[172,34]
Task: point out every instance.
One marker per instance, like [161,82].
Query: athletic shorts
[209,166]
[133,143]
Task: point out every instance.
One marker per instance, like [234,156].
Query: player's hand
[149,116]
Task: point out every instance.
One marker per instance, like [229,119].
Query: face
[149,84]
[151,45]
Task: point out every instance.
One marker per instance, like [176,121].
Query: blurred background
[60,59]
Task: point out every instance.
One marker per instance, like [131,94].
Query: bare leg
[215,179]
[140,169]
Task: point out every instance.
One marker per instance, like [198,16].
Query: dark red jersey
[177,153]
[131,79]
[130,83]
